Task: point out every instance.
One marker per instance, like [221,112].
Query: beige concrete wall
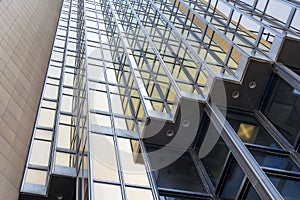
[27,29]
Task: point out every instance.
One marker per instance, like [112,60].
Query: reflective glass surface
[288,188]
[250,131]
[181,175]
[233,181]
[283,109]
[272,160]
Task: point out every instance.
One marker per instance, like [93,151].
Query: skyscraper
[169,100]
[27,31]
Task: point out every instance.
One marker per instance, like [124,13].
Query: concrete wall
[27,29]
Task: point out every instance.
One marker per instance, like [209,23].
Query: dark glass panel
[214,161]
[288,188]
[180,175]
[267,159]
[250,131]
[252,194]
[283,109]
[233,181]
[211,150]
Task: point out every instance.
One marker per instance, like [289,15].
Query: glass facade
[169,100]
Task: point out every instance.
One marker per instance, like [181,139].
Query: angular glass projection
[121,70]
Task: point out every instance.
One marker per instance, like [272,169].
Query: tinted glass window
[233,181]
[283,109]
[211,150]
[250,131]
[180,175]
[267,159]
[214,161]
[288,188]
[252,194]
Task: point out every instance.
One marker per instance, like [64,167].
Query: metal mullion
[176,58]
[43,140]
[266,149]
[64,150]
[281,172]
[38,167]
[138,186]
[243,188]
[36,126]
[244,158]
[120,172]
[277,136]
[89,137]
[263,17]
[287,75]
[192,51]
[132,63]
[147,163]
[235,32]
[184,193]
[202,173]
[57,114]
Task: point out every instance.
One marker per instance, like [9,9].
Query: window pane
[104,158]
[250,131]
[212,150]
[46,117]
[215,160]
[138,194]
[98,100]
[267,159]
[283,108]
[134,170]
[65,159]
[107,192]
[43,134]
[36,177]
[64,136]
[233,181]
[181,175]
[100,120]
[252,194]
[288,188]
[40,153]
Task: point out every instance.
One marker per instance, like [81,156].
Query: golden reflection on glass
[248,132]
[104,158]
[138,194]
[36,177]
[107,192]
[40,153]
[134,171]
